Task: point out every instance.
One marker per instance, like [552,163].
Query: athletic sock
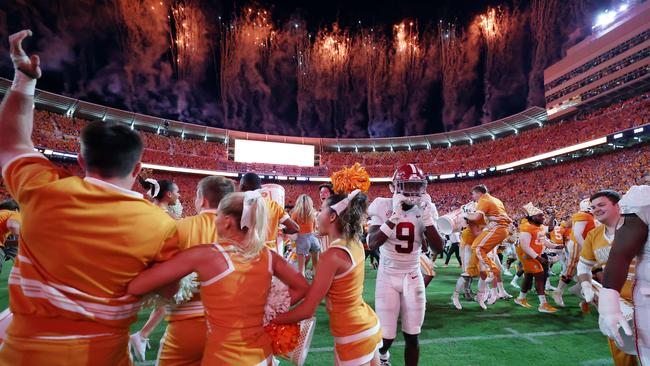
[561,286]
[542,299]
[522,295]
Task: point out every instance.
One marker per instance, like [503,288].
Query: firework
[190,43]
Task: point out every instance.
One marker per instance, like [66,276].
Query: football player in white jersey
[398,227]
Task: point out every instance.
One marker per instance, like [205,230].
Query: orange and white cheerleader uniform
[82,241]
[234,309]
[184,338]
[354,325]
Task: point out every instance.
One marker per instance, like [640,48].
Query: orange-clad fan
[582,223]
[82,240]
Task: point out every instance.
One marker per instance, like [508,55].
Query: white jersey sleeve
[380,210]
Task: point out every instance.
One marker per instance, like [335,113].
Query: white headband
[246,215]
[341,205]
[155,189]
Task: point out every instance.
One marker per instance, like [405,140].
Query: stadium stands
[61,133]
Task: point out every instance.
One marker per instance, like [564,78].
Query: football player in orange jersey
[595,252]
[532,240]
[581,224]
[236,276]
[492,212]
[68,310]
[340,279]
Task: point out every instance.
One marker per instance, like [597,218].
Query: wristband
[386,230]
[23,84]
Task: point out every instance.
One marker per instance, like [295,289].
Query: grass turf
[505,334]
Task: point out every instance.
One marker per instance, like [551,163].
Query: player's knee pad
[411,340]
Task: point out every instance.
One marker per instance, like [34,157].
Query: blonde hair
[233,204]
[304,208]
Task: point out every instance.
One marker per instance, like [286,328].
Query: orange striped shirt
[82,241]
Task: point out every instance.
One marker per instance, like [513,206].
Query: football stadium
[293,183]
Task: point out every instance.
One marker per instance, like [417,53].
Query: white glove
[398,212]
[587,291]
[469,207]
[610,317]
[427,207]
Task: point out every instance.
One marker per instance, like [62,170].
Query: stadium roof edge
[528,118]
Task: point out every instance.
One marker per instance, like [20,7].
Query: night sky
[119,54]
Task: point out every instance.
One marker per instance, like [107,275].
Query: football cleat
[514,283]
[480,299]
[523,302]
[557,297]
[384,360]
[456,301]
[546,308]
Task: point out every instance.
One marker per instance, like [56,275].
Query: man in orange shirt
[491,211]
[185,336]
[582,223]
[276,213]
[82,239]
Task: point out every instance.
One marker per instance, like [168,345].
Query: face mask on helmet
[412,191]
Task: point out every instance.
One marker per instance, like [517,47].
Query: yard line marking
[482,338]
[528,338]
[504,315]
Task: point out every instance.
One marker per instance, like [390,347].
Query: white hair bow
[341,205]
[155,189]
[246,215]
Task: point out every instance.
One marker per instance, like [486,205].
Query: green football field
[505,334]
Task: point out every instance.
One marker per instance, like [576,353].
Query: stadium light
[493,137]
[132,125]
[554,153]
[623,7]
[618,136]
[447,176]
[605,18]
[638,130]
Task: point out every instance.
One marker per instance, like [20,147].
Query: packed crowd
[58,132]
[620,116]
[547,187]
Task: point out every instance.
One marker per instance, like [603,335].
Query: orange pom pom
[284,337]
[347,180]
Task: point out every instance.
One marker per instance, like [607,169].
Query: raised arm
[17,108]
[628,243]
[331,262]
[202,259]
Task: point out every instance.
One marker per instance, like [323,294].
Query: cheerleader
[235,279]
[340,278]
